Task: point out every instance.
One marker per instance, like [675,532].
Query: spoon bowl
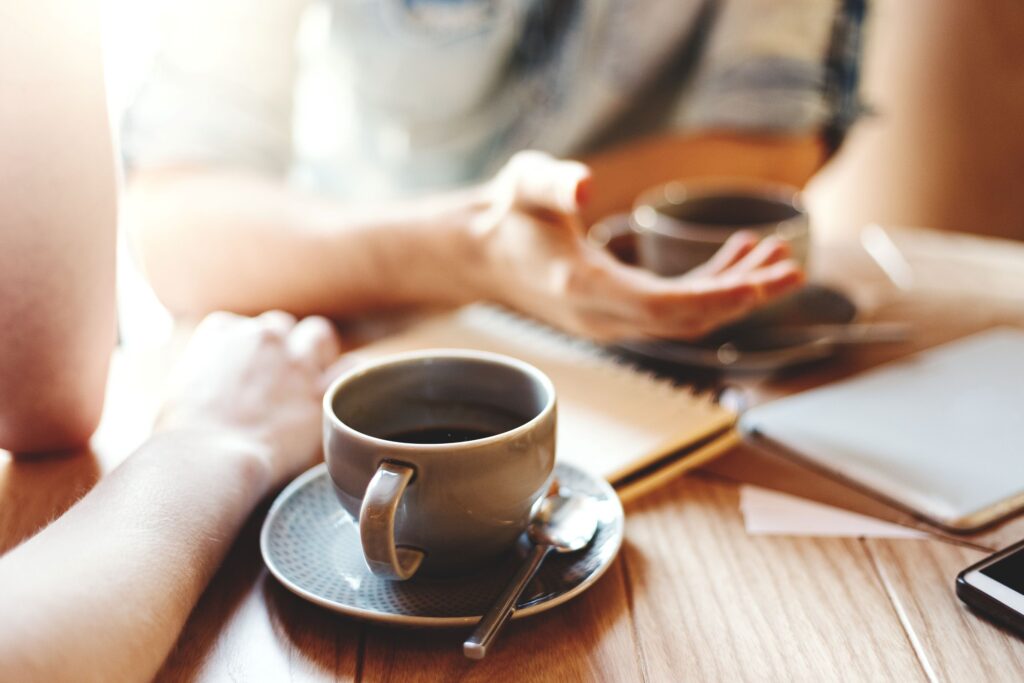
[566,522]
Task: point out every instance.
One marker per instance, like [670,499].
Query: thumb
[541,181]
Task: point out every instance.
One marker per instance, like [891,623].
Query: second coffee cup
[675,227]
[441,455]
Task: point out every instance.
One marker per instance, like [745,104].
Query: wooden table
[691,597]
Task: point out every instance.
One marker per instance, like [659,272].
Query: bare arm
[236,240]
[143,545]
[102,593]
[247,242]
[57,225]
[214,238]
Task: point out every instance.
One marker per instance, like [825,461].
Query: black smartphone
[995,587]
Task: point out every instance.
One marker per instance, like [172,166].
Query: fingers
[741,277]
[732,296]
[314,339]
[622,302]
[217,320]
[734,250]
[770,250]
[776,280]
[745,291]
[539,180]
[272,324]
[276,321]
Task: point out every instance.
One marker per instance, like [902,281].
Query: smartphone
[995,587]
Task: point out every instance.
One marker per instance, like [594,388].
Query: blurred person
[103,592]
[381,171]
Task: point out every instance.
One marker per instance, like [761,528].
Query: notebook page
[937,432]
[612,418]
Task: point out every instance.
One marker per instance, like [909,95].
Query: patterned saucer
[312,546]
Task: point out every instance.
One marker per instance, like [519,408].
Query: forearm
[211,239]
[57,225]
[140,547]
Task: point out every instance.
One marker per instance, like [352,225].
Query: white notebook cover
[940,433]
[612,419]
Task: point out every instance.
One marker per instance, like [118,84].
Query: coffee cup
[441,455]
[675,227]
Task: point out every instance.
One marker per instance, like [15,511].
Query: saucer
[311,545]
[762,342]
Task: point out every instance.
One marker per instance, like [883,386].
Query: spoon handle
[501,611]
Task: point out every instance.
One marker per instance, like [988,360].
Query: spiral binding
[490,316]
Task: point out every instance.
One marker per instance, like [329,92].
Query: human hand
[538,261]
[260,380]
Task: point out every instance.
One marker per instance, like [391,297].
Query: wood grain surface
[712,603]
[691,597]
[951,643]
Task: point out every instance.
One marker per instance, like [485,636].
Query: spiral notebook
[636,430]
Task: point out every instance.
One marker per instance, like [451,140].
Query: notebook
[633,429]
[939,434]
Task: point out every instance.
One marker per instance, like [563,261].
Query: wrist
[475,234]
[218,452]
[445,257]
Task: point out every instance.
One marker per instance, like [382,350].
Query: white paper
[771,513]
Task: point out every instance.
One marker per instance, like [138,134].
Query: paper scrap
[772,513]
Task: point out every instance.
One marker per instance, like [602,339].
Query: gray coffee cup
[681,225]
[675,227]
[441,455]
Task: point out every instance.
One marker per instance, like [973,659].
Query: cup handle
[377,524]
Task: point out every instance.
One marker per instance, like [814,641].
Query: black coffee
[441,434]
[730,210]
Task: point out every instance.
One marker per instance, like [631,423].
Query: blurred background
[946,147]
[943,147]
